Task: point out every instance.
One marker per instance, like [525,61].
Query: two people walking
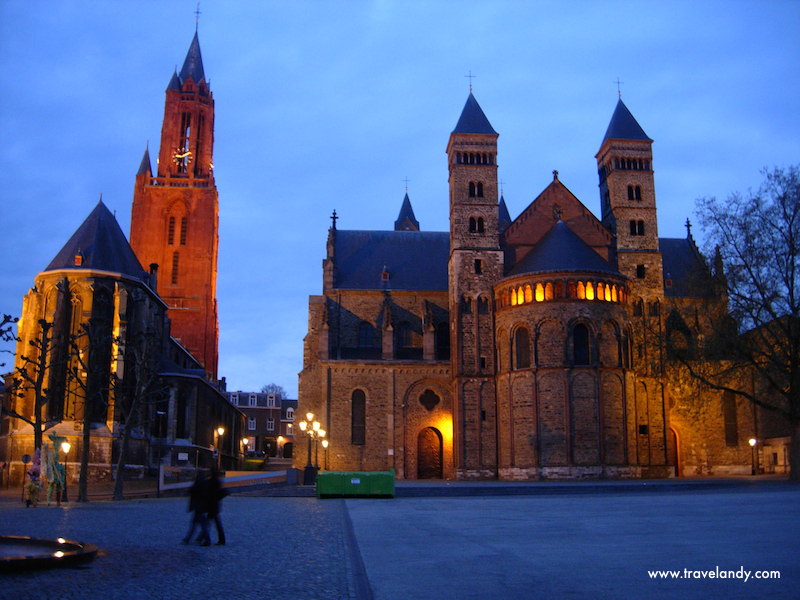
[205,503]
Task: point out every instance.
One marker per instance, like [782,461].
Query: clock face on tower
[182,157]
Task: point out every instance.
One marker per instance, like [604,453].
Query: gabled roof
[562,250]
[193,65]
[414,260]
[144,166]
[623,125]
[406,221]
[472,119]
[684,269]
[101,245]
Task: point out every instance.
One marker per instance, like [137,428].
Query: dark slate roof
[504,219]
[623,125]
[562,250]
[174,82]
[144,167]
[414,260]
[472,119]
[102,246]
[193,65]
[406,214]
[684,268]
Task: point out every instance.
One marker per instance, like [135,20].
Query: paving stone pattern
[277,547]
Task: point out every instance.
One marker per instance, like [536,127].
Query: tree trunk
[83,483]
[119,481]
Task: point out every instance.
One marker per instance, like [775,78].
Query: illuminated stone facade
[525,349]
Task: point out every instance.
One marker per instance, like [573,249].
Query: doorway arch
[429,454]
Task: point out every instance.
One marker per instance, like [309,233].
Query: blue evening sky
[324,105]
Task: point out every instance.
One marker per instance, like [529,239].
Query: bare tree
[274,388]
[756,236]
[7,323]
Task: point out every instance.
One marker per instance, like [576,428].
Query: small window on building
[580,345]
[235,399]
[290,413]
[466,305]
[175,262]
[184,227]
[171,231]
[637,227]
[522,349]
[290,429]
[643,430]
[483,305]
[252,400]
[270,424]
[251,423]
[478,266]
[640,271]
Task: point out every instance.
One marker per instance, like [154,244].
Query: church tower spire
[174,220]
[475,264]
[628,200]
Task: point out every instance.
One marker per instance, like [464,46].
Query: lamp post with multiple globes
[314,432]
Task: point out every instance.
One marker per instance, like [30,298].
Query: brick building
[531,348]
[269,422]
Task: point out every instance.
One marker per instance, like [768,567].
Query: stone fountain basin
[18,553]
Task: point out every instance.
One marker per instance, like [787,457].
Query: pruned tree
[274,388]
[7,323]
[28,380]
[756,238]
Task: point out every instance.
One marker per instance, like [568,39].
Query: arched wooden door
[429,454]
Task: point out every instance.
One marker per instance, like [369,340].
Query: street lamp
[752,442]
[219,431]
[312,429]
[325,446]
[320,436]
[65,446]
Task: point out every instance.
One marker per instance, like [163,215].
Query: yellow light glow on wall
[445,426]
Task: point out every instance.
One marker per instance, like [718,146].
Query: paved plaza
[542,545]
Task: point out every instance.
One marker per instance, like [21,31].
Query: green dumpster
[355,484]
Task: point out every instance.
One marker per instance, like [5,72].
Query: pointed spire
[144,167]
[406,221]
[503,217]
[99,244]
[193,65]
[623,125]
[174,82]
[472,119]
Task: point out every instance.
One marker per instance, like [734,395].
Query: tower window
[635,193]
[184,226]
[640,271]
[466,305]
[175,259]
[478,266]
[476,225]
[483,305]
[171,231]
[637,227]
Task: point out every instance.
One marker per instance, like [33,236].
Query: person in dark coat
[215,495]
[198,506]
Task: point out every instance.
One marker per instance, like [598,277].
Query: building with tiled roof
[529,348]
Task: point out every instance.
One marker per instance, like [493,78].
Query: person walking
[198,506]
[214,500]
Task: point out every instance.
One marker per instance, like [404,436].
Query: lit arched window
[589,290]
[581,291]
[548,291]
[539,292]
[528,294]
[520,296]
[522,349]
[614,293]
[580,344]
[358,427]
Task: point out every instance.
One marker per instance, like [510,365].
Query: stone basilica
[532,348]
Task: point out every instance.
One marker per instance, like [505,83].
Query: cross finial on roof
[501,187]
[334,218]
[555,174]
[197,17]
[688,228]
[470,77]
[619,90]
[406,180]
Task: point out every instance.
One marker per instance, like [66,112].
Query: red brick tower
[174,221]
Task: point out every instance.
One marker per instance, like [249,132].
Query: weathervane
[197,17]
[619,90]
[470,77]
[406,180]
